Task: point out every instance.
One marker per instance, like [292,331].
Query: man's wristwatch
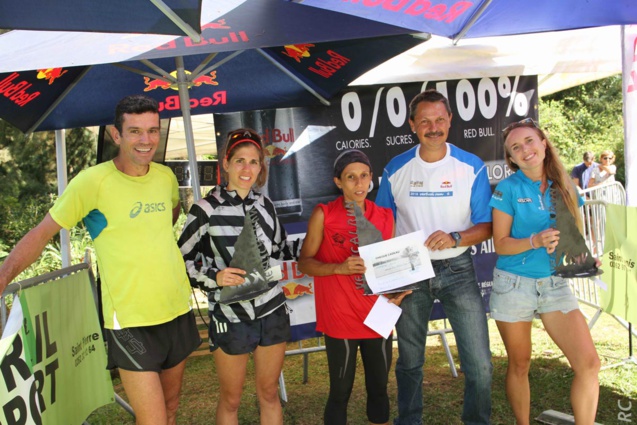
[456,237]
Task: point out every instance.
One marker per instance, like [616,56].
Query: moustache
[434,134]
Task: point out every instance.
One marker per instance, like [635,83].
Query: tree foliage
[586,117]
[29,176]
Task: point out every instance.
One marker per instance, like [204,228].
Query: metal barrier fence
[593,214]
[611,193]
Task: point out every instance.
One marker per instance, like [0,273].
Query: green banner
[54,366]
[620,255]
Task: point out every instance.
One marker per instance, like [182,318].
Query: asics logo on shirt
[150,207]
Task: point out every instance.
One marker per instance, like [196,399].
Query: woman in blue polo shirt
[524,280]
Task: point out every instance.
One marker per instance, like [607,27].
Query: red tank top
[341,307]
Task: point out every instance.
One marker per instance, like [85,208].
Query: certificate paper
[383,317]
[397,262]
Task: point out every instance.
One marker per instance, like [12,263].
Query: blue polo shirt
[532,212]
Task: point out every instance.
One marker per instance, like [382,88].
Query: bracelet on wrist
[531,241]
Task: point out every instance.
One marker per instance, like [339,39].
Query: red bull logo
[271,151]
[445,185]
[297,51]
[440,12]
[15,89]
[229,37]
[220,37]
[172,103]
[328,67]
[293,290]
[209,79]
[50,74]
[278,135]
[157,83]
[219,25]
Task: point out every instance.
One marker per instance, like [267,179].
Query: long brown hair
[553,168]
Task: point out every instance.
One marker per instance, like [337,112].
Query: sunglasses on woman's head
[608,157]
[526,122]
[242,134]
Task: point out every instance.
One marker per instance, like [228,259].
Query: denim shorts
[516,298]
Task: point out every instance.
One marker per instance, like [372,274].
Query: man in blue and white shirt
[445,191]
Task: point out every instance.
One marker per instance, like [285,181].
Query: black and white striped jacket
[207,245]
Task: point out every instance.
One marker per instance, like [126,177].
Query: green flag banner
[54,365]
[620,255]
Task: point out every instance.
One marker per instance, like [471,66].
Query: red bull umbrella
[286,76]
[53,80]
[457,19]
[175,17]
[63,80]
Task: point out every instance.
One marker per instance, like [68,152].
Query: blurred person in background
[581,173]
[605,171]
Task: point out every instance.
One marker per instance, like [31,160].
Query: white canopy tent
[561,59]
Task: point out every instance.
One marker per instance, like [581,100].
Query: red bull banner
[302,144]
[299,292]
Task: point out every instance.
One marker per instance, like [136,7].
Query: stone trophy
[573,258]
[367,234]
[249,255]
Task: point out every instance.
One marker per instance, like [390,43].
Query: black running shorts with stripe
[153,348]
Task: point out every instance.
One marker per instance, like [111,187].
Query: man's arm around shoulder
[27,250]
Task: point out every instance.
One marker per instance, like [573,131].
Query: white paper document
[396,262]
[383,317]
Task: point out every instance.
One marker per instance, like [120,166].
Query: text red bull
[172,103]
[17,92]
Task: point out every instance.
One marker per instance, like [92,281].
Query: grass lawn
[550,378]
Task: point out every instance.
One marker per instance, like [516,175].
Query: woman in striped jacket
[257,324]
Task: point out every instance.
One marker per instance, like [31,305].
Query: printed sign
[302,144]
[54,365]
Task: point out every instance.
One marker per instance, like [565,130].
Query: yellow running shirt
[144,279]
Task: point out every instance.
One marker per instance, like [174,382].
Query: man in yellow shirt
[129,206]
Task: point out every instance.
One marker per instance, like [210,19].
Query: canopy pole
[60,158]
[187,29]
[470,22]
[184,101]
[295,78]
